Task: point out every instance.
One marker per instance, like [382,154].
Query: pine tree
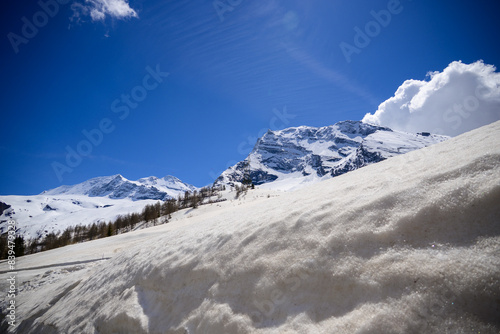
[110,231]
[194,200]
[19,246]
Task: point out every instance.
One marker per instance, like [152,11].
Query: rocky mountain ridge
[296,156]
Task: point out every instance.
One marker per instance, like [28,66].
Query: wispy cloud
[329,74]
[260,53]
[98,10]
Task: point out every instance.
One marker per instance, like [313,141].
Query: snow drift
[408,245]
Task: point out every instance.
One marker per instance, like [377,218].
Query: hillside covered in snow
[36,216]
[100,199]
[407,245]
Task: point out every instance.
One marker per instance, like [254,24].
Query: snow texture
[407,245]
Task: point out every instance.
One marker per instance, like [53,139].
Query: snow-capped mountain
[297,156]
[118,187]
[100,199]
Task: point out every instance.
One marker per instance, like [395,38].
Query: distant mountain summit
[118,187]
[296,156]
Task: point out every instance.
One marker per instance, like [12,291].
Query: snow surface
[407,245]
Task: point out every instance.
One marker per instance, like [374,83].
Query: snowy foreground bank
[408,245]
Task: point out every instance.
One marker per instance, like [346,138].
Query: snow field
[408,245]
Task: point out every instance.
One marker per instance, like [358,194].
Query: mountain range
[118,187]
[280,160]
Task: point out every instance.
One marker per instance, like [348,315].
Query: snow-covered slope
[294,157]
[96,200]
[407,245]
[118,187]
[36,216]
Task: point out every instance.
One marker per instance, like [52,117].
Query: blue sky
[231,75]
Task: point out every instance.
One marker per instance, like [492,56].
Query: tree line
[152,214]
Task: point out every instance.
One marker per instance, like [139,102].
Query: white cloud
[459,99]
[99,9]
